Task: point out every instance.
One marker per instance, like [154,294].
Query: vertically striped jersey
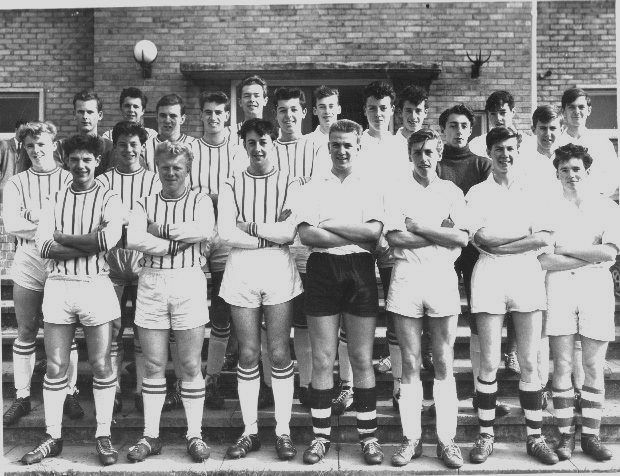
[212,165]
[233,133]
[131,186]
[97,210]
[297,158]
[192,209]
[24,197]
[260,198]
[149,149]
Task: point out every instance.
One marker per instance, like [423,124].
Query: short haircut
[500,134]
[424,135]
[571,95]
[218,97]
[88,95]
[92,144]
[171,100]
[460,109]
[284,94]
[572,151]
[261,127]
[254,79]
[129,128]
[346,126]
[169,149]
[414,94]
[379,90]
[325,92]
[35,129]
[497,99]
[546,114]
[132,92]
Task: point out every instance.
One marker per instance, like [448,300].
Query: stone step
[343,459]
[227,424]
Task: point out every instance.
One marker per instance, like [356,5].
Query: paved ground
[508,458]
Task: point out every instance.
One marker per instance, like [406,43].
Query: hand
[34,215]
[153,229]
[183,246]
[412,227]
[57,236]
[285,215]
[244,226]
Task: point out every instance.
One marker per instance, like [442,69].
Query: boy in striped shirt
[253,98]
[260,278]
[215,155]
[24,196]
[133,106]
[171,229]
[131,181]
[170,117]
[76,228]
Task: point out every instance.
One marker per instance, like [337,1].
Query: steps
[222,427]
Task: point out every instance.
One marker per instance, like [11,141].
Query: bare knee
[101,367]
[56,368]
[280,358]
[442,364]
[154,366]
[323,362]
[248,355]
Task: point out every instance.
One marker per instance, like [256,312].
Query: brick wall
[577,42]
[49,49]
[253,35]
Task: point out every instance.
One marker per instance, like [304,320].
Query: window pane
[14,106]
[603,110]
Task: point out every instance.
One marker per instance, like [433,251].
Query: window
[604,117]
[15,104]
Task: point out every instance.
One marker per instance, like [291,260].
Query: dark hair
[171,100]
[500,134]
[92,144]
[88,95]
[129,128]
[497,99]
[21,122]
[35,129]
[325,92]
[460,109]
[346,126]
[262,127]
[132,92]
[572,151]
[414,94]
[254,79]
[284,94]
[424,135]
[379,90]
[218,97]
[571,95]
[546,114]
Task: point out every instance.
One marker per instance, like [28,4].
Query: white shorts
[581,302]
[263,276]
[124,266]
[29,270]
[72,299]
[507,283]
[418,290]
[172,299]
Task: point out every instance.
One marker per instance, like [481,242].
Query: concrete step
[343,459]
[227,424]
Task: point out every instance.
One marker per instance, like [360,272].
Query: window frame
[599,90]
[41,115]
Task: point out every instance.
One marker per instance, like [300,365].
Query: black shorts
[341,283]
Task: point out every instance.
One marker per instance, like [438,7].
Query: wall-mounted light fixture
[477,63]
[145,52]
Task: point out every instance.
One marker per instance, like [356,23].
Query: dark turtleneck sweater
[462,167]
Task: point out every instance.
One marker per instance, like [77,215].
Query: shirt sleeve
[141,240]
[394,211]
[459,212]
[227,221]
[44,236]
[112,220]
[305,209]
[15,216]
[611,232]
[196,230]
